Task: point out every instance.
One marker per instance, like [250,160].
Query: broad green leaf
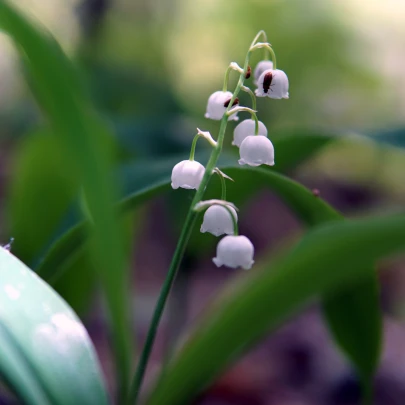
[46,354]
[145,179]
[353,314]
[39,185]
[85,141]
[355,320]
[17,374]
[393,137]
[293,148]
[144,183]
[330,258]
[78,283]
[341,313]
[310,209]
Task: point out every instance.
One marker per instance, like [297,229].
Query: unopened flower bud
[256,150]
[217,105]
[273,84]
[261,67]
[187,174]
[218,220]
[234,251]
[246,128]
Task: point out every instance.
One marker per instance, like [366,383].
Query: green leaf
[145,181]
[392,137]
[39,185]
[329,258]
[355,319]
[85,141]
[353,314]
[295,147]
[17,373]
[46,354]
[78,291]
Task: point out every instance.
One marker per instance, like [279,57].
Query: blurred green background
[150,67]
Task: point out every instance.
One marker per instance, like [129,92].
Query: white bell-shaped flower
[256,150]
[261,67]
[218,103]
[246,128]
[218,220]
[187,174]
[273,84]
[235,251]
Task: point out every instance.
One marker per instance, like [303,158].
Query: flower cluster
[255,149]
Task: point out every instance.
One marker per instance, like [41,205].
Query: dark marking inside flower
[236,101]
[268,77]
[248,72]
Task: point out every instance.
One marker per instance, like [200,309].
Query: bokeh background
[150,66]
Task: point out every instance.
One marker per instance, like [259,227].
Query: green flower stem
[254,105]
[262,34]
[181,246]
[223,184]
[241,109]
[234,221]
[249,110]
[226,78]
[201,134]
[267,46]
[160,305]
[252,96]
[193,145]
[232,66]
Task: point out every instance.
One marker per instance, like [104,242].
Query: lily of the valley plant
[255,148]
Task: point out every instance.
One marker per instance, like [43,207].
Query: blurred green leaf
[393,137]
[329,258]
[353,314]
[41,193]
[143,180]
[295,147]
[342,309]
[87,146]
[47,355]
[355,320]
[77,284]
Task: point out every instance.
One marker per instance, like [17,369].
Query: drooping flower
[246,128]
[217,104]
[217,220]
[261,67]
[273,84]
[256,150]
[187,174]
[234,251]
